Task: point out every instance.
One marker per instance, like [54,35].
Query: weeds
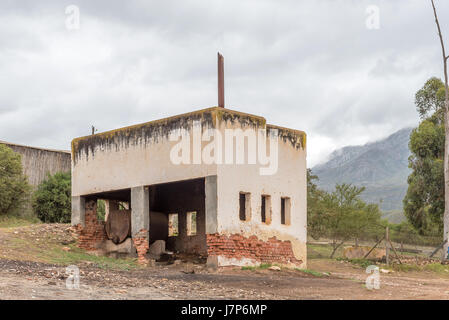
[313,272]
[76,255]
[364,263]
[259,267]
[15,221]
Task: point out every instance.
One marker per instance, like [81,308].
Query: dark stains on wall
[141,134]
[244,119]
[295,137]
[154,131]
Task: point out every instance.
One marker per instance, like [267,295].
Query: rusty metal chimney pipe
[220,62]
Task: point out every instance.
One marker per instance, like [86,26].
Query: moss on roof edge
[164,125]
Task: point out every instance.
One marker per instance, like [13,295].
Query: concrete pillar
[140,221]
[211,208]
[140,210]
[211,204]
[78,211]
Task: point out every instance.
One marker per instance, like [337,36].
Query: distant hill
[381,167]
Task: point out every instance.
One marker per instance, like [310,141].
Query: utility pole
[387,249]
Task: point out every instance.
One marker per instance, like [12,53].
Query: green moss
[144,133]
[244,119]
[153,131]
[296,138]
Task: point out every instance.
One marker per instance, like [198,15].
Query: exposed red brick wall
[238,246]
[93,232]
[142,245]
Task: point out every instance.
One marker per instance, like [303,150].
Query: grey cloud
[310,65]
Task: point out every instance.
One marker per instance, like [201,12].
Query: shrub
[52,199]
[101,210]
[14,187]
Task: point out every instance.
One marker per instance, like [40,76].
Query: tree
[340,215]
[363,221]
[446,134]
[101,209]
[342,208]
[14,188]
[316,226]
[429,99]
[52,199]
[424,200]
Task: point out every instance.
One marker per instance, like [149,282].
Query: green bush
[14,188]
[101,210]
[52,199]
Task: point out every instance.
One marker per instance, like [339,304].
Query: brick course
[142,245]
[93,232]
[238,246]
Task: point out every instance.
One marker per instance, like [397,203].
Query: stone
[274,268]
[157,247]
[212,262]
[124,247]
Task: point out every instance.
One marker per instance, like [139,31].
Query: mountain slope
[381,166]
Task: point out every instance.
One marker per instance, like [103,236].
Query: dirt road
[26,280]
[33,260]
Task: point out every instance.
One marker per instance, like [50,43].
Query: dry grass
[52,244]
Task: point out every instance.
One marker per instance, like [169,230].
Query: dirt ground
[25,276]
[30,280]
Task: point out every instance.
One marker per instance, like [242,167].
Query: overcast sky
[309,65]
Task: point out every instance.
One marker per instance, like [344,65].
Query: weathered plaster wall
[134,156]
[140,156]
[38,162]
[289,181]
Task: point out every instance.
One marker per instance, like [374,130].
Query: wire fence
[386,245]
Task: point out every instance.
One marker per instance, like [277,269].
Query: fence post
[387,250]
[438,248]
[378,242]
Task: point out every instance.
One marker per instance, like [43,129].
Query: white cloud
[309,65]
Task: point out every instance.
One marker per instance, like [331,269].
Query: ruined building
[214,182]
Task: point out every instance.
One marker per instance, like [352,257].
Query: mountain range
[381,167]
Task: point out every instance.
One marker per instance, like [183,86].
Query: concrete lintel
[140,209]
[78,210]
[210,187]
